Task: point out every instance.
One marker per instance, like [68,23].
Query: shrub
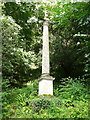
[40,103]
[71,88]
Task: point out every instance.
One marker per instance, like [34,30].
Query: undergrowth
[70,100]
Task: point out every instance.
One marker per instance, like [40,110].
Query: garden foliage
[69,31]
[69,101]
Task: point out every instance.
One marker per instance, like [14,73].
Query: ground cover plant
[71,101]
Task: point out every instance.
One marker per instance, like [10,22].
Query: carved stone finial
[46,19]
[46,16]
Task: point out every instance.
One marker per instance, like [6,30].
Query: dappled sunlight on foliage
[69,34]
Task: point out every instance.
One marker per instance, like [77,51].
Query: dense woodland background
[69,36]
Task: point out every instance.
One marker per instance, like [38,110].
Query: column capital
[46,21]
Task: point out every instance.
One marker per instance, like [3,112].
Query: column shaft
[45,51]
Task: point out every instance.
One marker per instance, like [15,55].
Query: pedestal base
[46,85]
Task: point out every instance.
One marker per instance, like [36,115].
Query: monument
[45,81]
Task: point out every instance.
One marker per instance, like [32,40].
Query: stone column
[45,51]
[46,81]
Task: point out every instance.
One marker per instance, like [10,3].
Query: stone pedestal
[46,85]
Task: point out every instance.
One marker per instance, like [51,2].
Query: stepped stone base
[46,84]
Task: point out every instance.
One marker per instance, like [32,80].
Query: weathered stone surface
[46,81]
[45,51]
[46,85]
